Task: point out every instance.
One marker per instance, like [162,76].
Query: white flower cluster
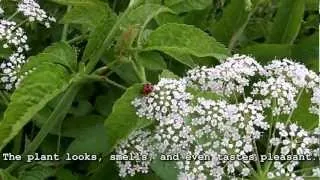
[14,39]
[33,11]
[173,136]
[230,77]
[292,140]
[192,120]
[138,147]
[169,96]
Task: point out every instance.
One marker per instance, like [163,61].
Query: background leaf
[234,16]
[181,39]
[123,119]
[46,82]
[287,21]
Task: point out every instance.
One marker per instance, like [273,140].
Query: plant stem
[57,115]
[78,38]
[115,84]
[65,28]
[4,97]
[106,43]
[13,15]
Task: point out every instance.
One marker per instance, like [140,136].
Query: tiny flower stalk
[226,132]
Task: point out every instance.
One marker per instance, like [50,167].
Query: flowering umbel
[244,130]
[14,38]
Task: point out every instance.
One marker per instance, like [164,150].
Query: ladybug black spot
[147,89]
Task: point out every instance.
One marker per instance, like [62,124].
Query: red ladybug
[147,89]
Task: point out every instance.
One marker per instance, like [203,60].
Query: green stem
[17,143]
[65,29]
[115,84]
[21,23]
[291,113]
[106,43]
[78,38]
[4,98]
[13,15]
[57,115]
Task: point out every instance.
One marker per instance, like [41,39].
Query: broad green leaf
[126,72]
[168,74]
[166,170]
[104,103]
[204,94]
[82,108]
[49,79]
[268,52]
[152,60]
[91,140]
[180,6]
[79,2]
[66,174]
[287,22]
[6,176]
[37,173]
[180,39]
[5,52]
[76,126]
[59,53]
[89,15]
[123,119]
[165,18]
[302,116]
[143,14]
[307,51]
[234,17]
[181,57]
[312,5]
[97,37]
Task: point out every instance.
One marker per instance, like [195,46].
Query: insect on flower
[147,89]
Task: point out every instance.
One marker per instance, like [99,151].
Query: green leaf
[6,176]
[123,119]
[48,80]
[97,37]
[152,60]
[37,173]
[166,170]
[90,15]
[312,5]
[302,116]
[307,51]
[91,140]
[287,22]
[267,52]
[168,74]
[182,58]
[143,14]
[65,174]
[82,108]
[104,103]
[82,124]
[180,39]
[78,2]
[59,53]
[126,72]
[85,12]
[204,94]
[180,6]
[234,17]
